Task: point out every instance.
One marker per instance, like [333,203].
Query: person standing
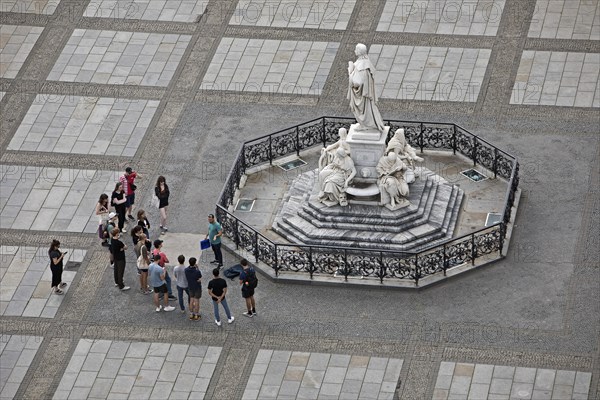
[102,213]
[163,263]
[157,280]
[56,266]
[248,281]
[161,190]
[194,280]
[181,281]
[117,248]
[129,187]
[217,289]
[143,222]
[143,261]
[111,224]
[214,235]
[119,201]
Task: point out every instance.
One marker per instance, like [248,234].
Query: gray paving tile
[565,19]
[16,44]
[29,6]
[460,17]
[16,355]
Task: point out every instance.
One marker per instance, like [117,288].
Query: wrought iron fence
[380,264]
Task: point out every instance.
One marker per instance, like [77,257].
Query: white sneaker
[123,230]
[126,288]
[230,320]
[169,308]
[158,308]
[218,322]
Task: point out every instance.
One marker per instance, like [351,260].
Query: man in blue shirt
[194,281]
[156,273]
[214,235]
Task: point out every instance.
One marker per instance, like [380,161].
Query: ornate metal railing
[380,264]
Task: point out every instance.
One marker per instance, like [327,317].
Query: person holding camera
[129,187]
[56,266]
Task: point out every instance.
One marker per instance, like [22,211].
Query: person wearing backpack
[249,282]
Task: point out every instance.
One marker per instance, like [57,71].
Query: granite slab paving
[107,369]
[16,43]
[429,73]
[273,66]
[29,6]
[313,14]
[118,57]
[84,125]
[26,280]
[458,381]
[16,354]
[279,374]
[442,17]
[566,19]
[557,79]
[2,95]
[56,199]
[155,10]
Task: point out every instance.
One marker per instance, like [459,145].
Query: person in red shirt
[163,262]
[128,180]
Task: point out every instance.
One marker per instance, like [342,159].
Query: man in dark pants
[117,248]
[214,235]
[247,278]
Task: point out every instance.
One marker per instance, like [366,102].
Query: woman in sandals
[161,190]
[56,266]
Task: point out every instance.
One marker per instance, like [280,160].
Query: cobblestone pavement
[88,87]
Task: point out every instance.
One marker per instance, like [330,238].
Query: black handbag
[133,187]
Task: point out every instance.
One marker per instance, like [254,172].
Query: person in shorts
[128,180]
[157,280]
[194,281]
[247,291]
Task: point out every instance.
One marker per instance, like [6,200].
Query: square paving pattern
[84,125]
[26,281]
[15,44]
[106,369]
[154,10]
[112,57]
[29,6]
[444,17]
[557,79]
[482,381]
[289,375]
[566,19]
[429,73]
[315,14]
[16,354]
[56,199]
[273,66]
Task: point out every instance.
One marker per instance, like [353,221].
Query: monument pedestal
[367,147]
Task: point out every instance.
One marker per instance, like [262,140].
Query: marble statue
[392,186]
[405,152]
[335,178]
[328,153]
[361,91]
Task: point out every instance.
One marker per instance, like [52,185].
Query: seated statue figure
[335,178]
[405,152]
[328,153]
[392,185]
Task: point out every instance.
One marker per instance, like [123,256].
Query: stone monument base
[367,147]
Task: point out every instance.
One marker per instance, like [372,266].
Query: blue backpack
[233,272]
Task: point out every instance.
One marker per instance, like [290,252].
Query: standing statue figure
[392,186]
[335,178]
[328,153]
[405,152]
[361,91]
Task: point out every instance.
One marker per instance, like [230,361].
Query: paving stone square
[106,369]
[130,58]
[16,43]
[443,17]
[557,79]
[429,73]
[16,354]
[566,19]
[272,66]
[84,125]
[26,281]
[155,10]
[278,374]
[484,381]
[56,199]
[29,6]
[2,95]
[314,14]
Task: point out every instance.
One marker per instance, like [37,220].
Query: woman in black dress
[56,266]
[119,201]
[161,190]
